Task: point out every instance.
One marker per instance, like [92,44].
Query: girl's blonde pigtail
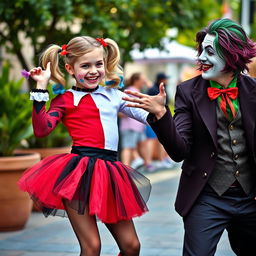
[51,54]
[113,69]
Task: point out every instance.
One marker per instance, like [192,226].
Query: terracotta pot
[44,152]
[15,205]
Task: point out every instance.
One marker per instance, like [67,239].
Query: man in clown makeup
[213,133]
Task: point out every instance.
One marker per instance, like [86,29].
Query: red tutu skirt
[87,177]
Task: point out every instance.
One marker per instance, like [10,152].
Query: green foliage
[129,22]
[15,119]
[202,13]
[15,113]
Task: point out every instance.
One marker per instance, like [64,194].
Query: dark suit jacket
[192,134]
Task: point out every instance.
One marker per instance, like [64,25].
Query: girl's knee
[136,244]
[132,248]
[93,248]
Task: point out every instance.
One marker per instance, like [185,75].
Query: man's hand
[153,104]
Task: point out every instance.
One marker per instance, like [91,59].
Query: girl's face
[88,69]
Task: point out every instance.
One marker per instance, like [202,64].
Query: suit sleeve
[44,122]
[175,133]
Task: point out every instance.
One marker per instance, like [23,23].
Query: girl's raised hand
[41,76]
[153,104]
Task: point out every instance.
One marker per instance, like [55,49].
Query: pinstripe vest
[232,162]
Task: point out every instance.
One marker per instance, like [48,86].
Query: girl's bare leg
[86,230]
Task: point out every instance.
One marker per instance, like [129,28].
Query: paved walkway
[160,231]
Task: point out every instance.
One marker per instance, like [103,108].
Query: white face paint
[212,64]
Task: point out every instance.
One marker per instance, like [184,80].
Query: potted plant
[15,126]
[57,142]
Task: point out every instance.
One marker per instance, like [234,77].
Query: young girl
[88,183]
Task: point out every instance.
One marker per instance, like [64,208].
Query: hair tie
[102,42]
[112,82]
[121,83]
[25,73]
[63,50]
[58,89]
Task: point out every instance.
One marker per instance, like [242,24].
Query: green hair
[231,43]
[229,29]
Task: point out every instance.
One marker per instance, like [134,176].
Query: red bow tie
[226,95]
[213,92]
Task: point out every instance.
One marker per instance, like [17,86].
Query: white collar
[78,95]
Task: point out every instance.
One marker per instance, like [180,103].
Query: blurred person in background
[252,68]
[155,148]
[134,151]
[213,131]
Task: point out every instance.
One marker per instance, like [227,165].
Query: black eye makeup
[210,51]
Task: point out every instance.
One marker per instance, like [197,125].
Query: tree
[202,13]
[129,22]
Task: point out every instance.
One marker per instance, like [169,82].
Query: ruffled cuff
[39,95]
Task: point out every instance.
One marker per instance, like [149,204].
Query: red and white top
[90,117]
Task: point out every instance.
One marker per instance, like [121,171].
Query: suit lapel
[206,107]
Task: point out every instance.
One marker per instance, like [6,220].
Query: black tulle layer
[87,177]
